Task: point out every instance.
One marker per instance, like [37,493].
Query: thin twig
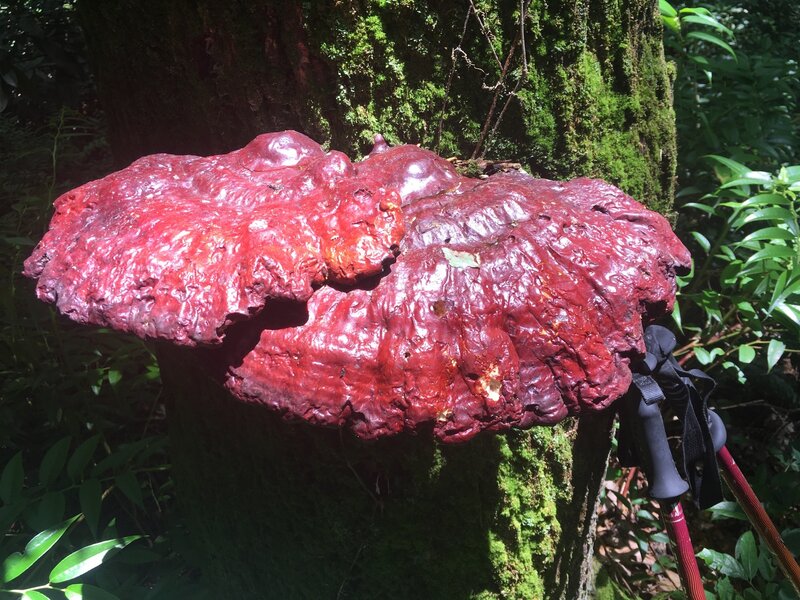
[449,84]
[486,32]
[493,106]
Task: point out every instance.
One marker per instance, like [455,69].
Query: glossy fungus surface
[514,301]
[178,247]
[382,296]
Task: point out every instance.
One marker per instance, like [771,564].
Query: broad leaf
[19,562]
[736,168]
[724,563]
[768,233]
[127,483]
[81,457]
[765,199]
[88,558]
[727,510]
[747,181]
[53,462]
[702,241]
[771,213]
[771,251]
[51,509]
[12,479]
[746,354]
[747,554]
[712,39]
[709,210]
[667,9]
[90,495]
[461,260]
[774,352]
[791,311]
[708,21]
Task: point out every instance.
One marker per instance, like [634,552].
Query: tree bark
[564,88]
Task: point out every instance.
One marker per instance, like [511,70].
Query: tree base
[283,510]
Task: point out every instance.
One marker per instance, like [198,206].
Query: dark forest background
[84,471]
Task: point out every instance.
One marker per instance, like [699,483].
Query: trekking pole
[751,505]
[642,426]
[704,438]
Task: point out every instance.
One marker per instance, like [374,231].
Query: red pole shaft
[758,516]
[682,545]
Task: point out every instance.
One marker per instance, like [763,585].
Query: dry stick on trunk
[449,84]
[488,121]
[520,39]
[522,76]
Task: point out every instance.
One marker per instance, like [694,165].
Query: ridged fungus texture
[179,247]
[513,302]
[394,293]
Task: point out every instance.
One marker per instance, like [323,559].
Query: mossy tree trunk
[565,88]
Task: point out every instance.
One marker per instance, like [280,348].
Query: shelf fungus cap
[179,247]
[514,301]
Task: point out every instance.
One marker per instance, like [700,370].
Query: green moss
[594,100]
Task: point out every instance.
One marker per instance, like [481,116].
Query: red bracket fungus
[513,301]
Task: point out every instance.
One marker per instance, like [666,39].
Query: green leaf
[84,591]
[53,462]
[19,562]
[746,181]
[771,251]
[792,173]
[747,554]
[667,9]
[727,510]
[792,311]
[461,260]
[746,354]
[771,213]
[659,537]
[766,565]
[712,39]
[699,10]
[724,563]
[709,210]
[127,483]
[676,316]
[740,376]
[113,376]
[780,285]
[672,23]
[765,199]
[88,558]
[33,595]
[782,292]
[81,457]
[768,233]
[731,273]
[702,356]
[774,352]
[725,589]
[123,455]
[90,496]
[708,21]
[51,508]
[702,241]
[12,479]
[736,168]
